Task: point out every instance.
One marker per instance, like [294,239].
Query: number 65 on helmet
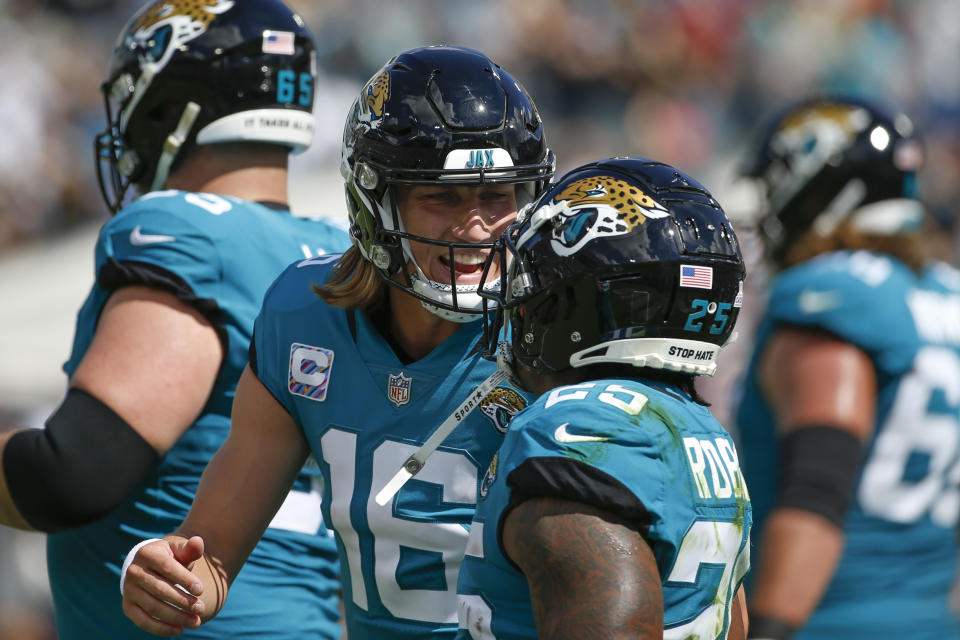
[202,72]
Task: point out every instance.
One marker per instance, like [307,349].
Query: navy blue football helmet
[831,160]
[624,261]
[436,115]
[202,72]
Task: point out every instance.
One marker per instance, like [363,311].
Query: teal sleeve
[165,240]
[268,358]
[286,367]
[857,297]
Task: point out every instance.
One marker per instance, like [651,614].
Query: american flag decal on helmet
[696,276]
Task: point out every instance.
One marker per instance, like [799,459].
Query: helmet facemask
[401,135]
[383,237]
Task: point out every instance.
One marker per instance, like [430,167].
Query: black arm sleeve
[818,470]
[763,628]
[78,469]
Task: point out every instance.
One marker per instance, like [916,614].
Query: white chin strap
[469,303]
[888,217]
[686,356]
[506,364]
[171,146]
[884,217]
[468,300]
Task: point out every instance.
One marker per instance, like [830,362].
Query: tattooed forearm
[589,575]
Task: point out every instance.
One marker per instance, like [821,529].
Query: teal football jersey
[218,254]
[901,546]
[642,450]
[364,412]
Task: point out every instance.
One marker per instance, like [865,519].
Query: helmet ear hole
[569,303]
[546,310]
[388,254]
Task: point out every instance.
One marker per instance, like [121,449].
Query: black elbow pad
[78,469]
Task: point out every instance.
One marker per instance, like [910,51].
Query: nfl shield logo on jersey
[398,388]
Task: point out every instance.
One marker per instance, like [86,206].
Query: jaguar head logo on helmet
[658,286]
[165,90]
[183,21]
[598,206]
[375,95]
[833,162]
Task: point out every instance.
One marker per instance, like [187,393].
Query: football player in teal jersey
[205,102]
[850,411]
[615,507]
[359,358]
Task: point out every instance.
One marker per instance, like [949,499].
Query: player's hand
[160,594]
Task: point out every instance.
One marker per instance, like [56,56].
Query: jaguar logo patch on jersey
[169,24]
[501,405]
[489,476]
[398,388]
[310,369]
[375,96]
[596,207]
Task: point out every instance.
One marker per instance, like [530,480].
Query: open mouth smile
[466,268]
[464,263]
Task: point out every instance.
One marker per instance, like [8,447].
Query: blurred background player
[359,358]
[615,507]
[850,415]
[205,101]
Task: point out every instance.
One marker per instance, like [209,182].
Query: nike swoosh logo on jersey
[811,301]
[565,437]
[137,238]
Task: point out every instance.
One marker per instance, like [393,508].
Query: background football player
[615,507]
[205,101]
[850,415]
[360,358]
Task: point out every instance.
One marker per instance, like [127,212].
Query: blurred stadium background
[683,81]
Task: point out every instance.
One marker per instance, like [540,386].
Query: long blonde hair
[354,283]
[907,247]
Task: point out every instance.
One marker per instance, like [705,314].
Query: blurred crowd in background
[682,81]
